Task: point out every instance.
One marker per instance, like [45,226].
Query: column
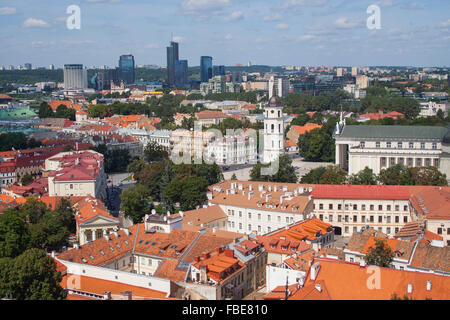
[82,239]
[94,235]
[338,155]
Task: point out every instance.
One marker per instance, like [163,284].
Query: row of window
[371,219]
[231,224]
[363,207]
[400,145]
[439,231]
[386,230]
[419,162]
[259,217]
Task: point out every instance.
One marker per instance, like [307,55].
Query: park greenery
[45,111]
[285,172]
[165,186]
[395,175]
[380,256]
[16,141]
[116,160]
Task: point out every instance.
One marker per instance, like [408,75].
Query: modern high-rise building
[27,66]
[354,71]
[105,77]
[279,87]
[218,71]
[172,57]
[181,73]
[75,77]
[51,67]
[206,68]
[126,69]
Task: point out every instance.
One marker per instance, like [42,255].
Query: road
[302,168]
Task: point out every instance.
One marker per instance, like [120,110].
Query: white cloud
[306,37]
[35,23]
[303,3]
[193,6]
[152,46]
[343,23]
[282,26]
[274,17]
[445,24]
[229,37]
[7,11]
[179,39]
[235,16]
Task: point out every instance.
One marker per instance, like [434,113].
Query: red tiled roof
[360,192]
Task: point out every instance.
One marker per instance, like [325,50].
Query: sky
[264,32]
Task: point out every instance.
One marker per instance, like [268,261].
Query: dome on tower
[274,101]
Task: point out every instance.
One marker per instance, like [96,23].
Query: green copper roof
[385,132]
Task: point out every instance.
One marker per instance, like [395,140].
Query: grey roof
[383,132]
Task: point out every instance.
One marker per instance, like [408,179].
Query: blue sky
[270,32]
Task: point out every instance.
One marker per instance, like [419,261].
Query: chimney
[127,232]
[53,254]
[428,285]
[318,287]
[229,253]
[203,276]
[205,255]
[76,246]
[127,295]
[410,288]
[116,234]
[362,263]
[107,295]
[219,250]
[315,270]
[181,214]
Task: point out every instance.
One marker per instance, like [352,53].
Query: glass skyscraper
[172,57]
[206,68]
[126,69]
[181,73]
[219,71]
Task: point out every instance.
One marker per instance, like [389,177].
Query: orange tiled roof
[432,202]
[297,204]
[54,104]
[361,192]
[306,128]
[203,216]
[99,287]
[348,281]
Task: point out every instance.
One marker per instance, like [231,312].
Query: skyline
[274,33]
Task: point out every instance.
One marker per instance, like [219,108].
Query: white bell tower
[273,130]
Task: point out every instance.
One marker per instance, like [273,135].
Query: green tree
[428,176]
[45,111]
[136,202]
[233,177]
[333,175]
[154,152]
[33,276]
[136,166]
[63,112]
[14,234]
[395,175]
[286,172]
[301,120]
[193,192]
[381,255]
[313,176]
[364,177]
[26,179]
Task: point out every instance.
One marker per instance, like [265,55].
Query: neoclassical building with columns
[380,147]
